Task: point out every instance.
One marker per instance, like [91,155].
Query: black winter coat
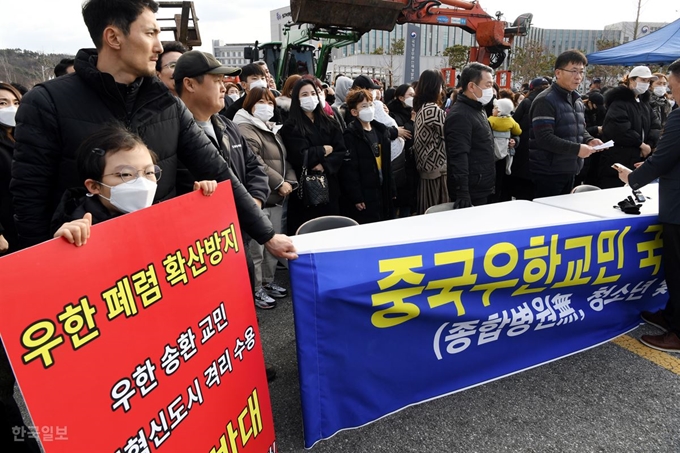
[629,123]
[520,163]
[297,142]
[664,164]
[404,170]
[73,206]
[360,178]
[558,128]
[6,212]
[241,159]
[471,169]
[57,115]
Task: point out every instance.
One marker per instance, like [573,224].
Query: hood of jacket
[342,87]
[623,93]
[283,102]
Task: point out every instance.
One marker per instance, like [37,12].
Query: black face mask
[330,99]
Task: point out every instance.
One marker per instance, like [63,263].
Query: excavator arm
[494,36]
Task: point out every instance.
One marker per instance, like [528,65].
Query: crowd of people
[93,143]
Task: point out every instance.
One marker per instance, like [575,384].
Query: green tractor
[296,55]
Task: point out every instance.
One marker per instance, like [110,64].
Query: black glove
[461,203]
[629,206]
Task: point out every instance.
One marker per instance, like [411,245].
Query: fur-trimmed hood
[623,93]
[283,102]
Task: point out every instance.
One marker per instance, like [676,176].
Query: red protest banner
[144,339]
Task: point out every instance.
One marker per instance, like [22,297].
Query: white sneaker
[262,300]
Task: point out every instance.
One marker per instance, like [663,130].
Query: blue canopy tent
[661,47]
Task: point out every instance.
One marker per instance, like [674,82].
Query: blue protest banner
[382,328]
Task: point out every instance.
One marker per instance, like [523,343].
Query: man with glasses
[559,141]
[165,66]
[115,82]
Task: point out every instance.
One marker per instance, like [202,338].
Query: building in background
[628,29]
[557,41]
[230,54]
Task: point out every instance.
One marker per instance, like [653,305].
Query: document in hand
[606,145]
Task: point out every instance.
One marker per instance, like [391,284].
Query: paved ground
[607,399]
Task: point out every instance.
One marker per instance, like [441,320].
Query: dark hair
[179,84]
[388,95]
[401,90]
[429,88]
[356,96]
[254,96]
[12,89]
[472,73]
[297,116]
[20,88]
[674,68]
[172,46]
[6,130]
[92,152]
[99,14]
[251,69]
[62,66]
[570,56]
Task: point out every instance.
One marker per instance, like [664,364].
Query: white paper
[609,144]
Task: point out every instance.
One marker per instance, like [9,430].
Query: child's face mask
[132,196]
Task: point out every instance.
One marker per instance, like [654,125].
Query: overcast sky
[56,26]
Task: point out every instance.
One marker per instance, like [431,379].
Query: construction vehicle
[184,23]
[337,23]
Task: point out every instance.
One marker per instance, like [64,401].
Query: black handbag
[313,188]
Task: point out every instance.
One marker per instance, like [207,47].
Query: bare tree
[531,60]
[610,75]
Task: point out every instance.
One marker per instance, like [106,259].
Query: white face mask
[660,91]
[366,115]
[409,102]
[487,95]
[234,96]
[672,102]
[258,84]
[7,116]
[263,112]
[132,196]
[640,87]
[322,100]
[309,103]
[376,95]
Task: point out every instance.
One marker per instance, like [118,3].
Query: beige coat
[270,151]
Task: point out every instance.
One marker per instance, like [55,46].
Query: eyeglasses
[573,71]
[131,174]
[170,65]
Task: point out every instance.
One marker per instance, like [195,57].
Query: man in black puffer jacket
[115,83]
[469,140]
[559,141]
